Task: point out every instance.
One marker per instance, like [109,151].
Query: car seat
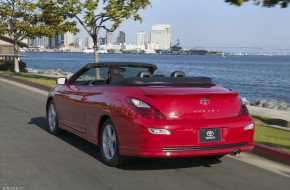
[144,74]
[177,74]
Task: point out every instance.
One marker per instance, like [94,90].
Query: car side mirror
[61,81]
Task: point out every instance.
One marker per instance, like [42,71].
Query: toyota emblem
[210,133]
[204,101]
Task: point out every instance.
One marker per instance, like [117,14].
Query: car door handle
[84,98]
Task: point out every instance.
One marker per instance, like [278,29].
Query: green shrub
[9,66]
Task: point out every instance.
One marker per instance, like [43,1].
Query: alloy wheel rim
[109,142]
[52,117]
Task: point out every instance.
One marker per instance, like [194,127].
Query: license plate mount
[209,135]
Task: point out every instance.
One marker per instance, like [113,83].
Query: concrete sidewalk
[266,151]
[278,114]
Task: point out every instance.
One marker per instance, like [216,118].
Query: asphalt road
[31,158]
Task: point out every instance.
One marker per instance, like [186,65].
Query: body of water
[255,77]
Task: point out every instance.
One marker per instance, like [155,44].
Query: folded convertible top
[165,81]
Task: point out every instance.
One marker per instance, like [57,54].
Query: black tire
[109,145]
[52,119]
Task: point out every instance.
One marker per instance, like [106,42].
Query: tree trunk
[16,65]
[16,62]
[96,58]
[96,54]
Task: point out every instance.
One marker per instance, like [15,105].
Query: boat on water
[92,51]
[88,51]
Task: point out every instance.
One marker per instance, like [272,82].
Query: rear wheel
[52,119]
[110,145]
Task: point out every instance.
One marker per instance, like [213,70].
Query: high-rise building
[59,40]
[140,38]
[109,37]
[68,39]
[102,41]
[52,43]
[160,34]
[78,42]
[121,38]
[30,42]
[64,40]
[89,42]
[41,41]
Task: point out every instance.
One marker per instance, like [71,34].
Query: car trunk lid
[194,103]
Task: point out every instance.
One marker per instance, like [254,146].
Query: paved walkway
[278,114]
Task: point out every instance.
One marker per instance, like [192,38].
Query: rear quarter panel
[110,102]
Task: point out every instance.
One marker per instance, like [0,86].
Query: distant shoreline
[152,54]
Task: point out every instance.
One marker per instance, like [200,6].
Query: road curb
[272,153]
[26,82]
[259,149]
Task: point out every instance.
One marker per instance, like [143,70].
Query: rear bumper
[200,148]
[185,151]
[184,139]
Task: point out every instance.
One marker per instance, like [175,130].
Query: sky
[214,23]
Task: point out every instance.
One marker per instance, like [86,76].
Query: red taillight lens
[243,110]
[144,109]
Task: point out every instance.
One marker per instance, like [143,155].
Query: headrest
[177,74]
[144,74]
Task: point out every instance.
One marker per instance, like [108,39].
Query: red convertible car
[127,110]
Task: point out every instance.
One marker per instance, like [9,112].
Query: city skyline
[160,34]
[159,39]
[205,23]
[212,24]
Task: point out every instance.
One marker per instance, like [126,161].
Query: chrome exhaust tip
[236,152]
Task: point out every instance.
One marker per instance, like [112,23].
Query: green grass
[273,137]
[34,78]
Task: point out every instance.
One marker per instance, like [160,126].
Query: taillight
[243,109]
[144,109]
